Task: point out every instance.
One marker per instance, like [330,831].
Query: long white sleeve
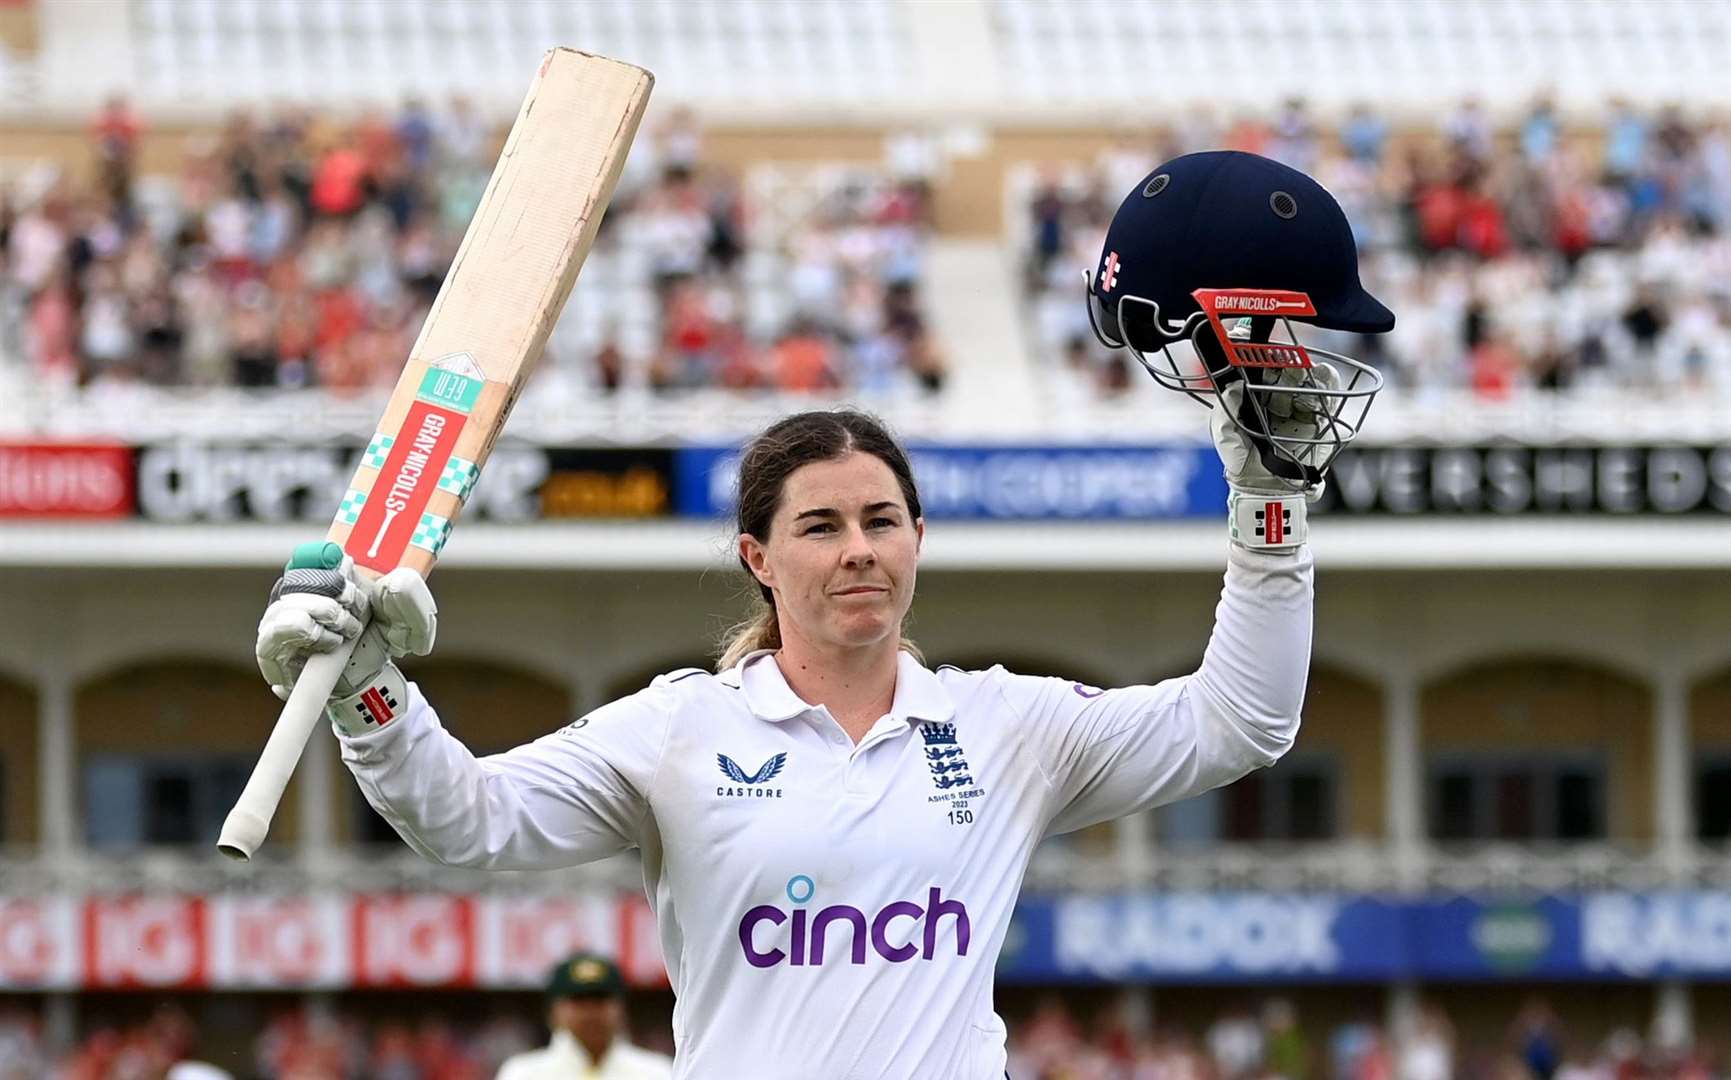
[574,796]
[1106,754]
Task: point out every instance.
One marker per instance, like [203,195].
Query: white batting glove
[1264,510]
[315,610]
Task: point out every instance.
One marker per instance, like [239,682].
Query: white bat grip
[244,829]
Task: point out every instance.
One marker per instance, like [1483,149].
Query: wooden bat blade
[535,225]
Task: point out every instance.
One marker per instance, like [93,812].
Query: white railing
[561,409]
[1056,867]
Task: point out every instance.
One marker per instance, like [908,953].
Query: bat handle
[244,829]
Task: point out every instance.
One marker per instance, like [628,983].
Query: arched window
[626,685]
[1537,750]
[490,706]
[1329,786]
[164,748]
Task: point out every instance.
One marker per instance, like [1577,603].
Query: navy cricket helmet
[1217,249]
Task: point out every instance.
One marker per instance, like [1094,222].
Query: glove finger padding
[1241,432]
[404,612]
[294,627]
[314,610]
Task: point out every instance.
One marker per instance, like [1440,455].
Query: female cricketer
[832,833]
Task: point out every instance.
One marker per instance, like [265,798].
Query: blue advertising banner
[1205,937]
[1473,939]
[1005,483]
[1320,938]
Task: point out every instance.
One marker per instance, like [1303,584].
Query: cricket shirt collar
[919,694]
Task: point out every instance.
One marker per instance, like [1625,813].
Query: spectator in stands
[158,1049]
[586,1013]
[1536,1039]
[115,132]
[1235,1041]
[21,1056]
[348,228]
[1364,135]
[1293,140]
[393,1055]
[1469,130]
[1287,1053]
[1358,1051]
[1046,210]
[802,361]
[1428,1051]
[1595,272]
[1045,1041]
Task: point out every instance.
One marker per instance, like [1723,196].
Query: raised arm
[1109,753]
[576,795]
[1118,752]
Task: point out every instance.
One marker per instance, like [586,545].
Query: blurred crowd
[1260,1040]
[294,1045]
[1525,255]
[304,249]
[1269,1041]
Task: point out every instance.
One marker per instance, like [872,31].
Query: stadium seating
[261,265]
[1409,55]
[344,50]
[1519,264]
[213,260]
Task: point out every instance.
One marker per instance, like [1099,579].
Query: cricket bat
[534,227]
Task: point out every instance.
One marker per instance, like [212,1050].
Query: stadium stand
[1056,1037]
[301,252]
[1341,52]
[340,51]
[890,202]
[1528,259]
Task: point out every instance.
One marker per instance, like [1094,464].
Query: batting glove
[315,609]
[1264,510]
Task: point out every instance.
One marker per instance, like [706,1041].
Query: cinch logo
[810,932]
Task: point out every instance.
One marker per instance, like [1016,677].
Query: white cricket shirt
[836,910]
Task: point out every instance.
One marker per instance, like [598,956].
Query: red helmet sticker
[1109,271]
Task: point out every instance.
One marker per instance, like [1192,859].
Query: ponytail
[759,631]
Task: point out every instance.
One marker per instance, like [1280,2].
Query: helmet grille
[1284,206]
[1155,185]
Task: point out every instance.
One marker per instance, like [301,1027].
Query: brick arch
[19,705]
[1548,703]
[628,683]
[149,704]
[189,708]
[1027,664]
[1343,719]
[1341,738]
[490,705]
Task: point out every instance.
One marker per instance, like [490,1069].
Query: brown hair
[768,460]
